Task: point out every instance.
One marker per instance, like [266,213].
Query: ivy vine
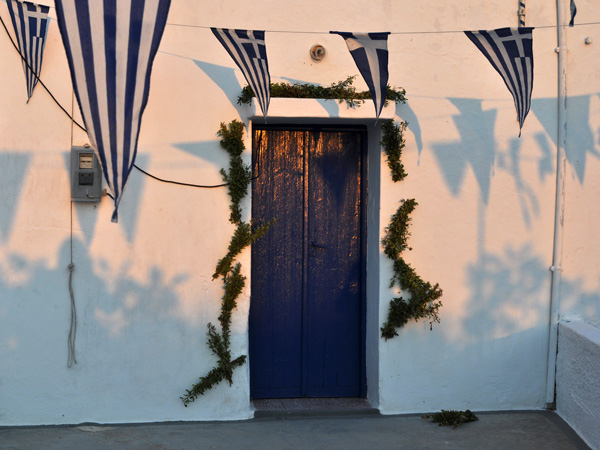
[424,297]
[343,91]
[238,178]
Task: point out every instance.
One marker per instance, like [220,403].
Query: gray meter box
[86,175]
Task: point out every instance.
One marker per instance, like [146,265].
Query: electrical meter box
[86,175]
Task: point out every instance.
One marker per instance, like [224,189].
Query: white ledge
[309,108]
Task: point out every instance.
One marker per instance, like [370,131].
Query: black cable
[179,182]
[83,128]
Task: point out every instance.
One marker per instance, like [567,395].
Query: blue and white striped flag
[31,27]
[573,9]
[370,54]
[510,52]
[111,46]
[248,50]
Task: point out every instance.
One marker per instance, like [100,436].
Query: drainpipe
[559,209]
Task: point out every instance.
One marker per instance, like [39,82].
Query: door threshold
[288,407]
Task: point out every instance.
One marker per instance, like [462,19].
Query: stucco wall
[577,383]
[483,228]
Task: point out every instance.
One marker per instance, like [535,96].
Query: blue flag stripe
[30,22]
[247,49]
[239,53]
[510,51]
[110,51]
[573,8]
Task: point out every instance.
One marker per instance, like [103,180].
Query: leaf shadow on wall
[510,293]
[513,164]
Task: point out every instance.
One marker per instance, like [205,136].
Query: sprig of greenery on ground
[450,417]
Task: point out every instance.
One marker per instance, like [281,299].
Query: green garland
[341,91]
[393,144]
[238,178]
[424,298]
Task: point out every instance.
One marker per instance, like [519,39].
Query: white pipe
[559,210]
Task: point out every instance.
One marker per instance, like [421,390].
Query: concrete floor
[358,429]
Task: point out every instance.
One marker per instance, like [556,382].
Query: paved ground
[300,430]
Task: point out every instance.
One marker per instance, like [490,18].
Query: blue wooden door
[307,299]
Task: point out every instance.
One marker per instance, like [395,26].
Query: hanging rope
[73,328]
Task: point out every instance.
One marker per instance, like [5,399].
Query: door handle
[312,244]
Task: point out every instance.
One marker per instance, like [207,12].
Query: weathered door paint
[307,300]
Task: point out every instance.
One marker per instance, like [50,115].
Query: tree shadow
[510,292]
[527,198]
[123,324]
[505,293]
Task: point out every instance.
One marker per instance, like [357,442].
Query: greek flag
[248,50]
[110,47]
[31,26]
[370,54]
[509,50]
[573,9]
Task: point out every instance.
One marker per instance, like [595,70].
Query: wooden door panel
[276,274]
[332,339]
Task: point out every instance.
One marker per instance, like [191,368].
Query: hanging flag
[31,27]
[248,50]
[370,54]
[573,12]
[110,46]
[509,50]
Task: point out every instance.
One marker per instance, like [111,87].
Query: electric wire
[391,32]
[207,27]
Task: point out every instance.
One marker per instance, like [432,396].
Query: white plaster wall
[577,383]
[483,228]
[580,289]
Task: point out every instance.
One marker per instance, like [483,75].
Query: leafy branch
[238,177]
[424,297]
[343,91]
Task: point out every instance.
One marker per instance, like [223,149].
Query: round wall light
[317,52]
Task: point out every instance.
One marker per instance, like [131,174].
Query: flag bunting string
[207,27]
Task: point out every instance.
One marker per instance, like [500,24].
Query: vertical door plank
[333,309]
[277,261]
